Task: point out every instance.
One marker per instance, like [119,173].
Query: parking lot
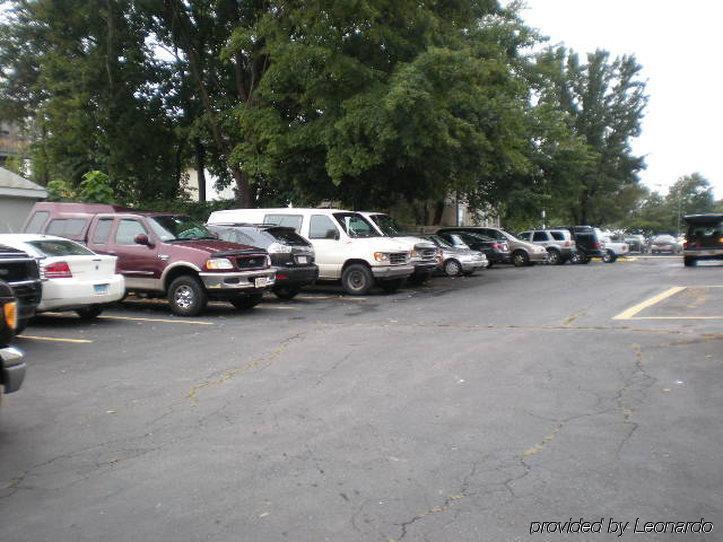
[462,410]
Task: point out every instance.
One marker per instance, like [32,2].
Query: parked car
[12,363]
[347,246]
[74,277]
[665,243]
[587,243]
[522,252]
[425,256]
[558,243]
[636,243]
[163,254]
[615,246]
[495,251]
[704,239]
[291,254]
[21,272]
[456,260]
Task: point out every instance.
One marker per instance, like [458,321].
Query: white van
[347,246]
[426,257]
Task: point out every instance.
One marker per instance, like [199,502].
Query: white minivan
[348,248]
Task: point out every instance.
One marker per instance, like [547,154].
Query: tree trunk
[201,170]
[243,188]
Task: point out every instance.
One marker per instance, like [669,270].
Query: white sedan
[74,278]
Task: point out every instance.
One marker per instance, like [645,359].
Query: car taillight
[10,312]
[597,245]
[57,270]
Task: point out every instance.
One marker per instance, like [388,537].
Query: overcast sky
[678,45]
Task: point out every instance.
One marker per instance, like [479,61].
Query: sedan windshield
[387,225]
[437,240]
[179,228]
[355,225]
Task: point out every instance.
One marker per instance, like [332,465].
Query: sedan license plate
[260,282]
[302,259]
[101,288]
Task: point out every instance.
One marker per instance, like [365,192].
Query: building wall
[13,212]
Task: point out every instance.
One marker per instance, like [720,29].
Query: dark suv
[12,365]
[21,272]
[587,243]
[704,239]
[163,254]
[291,254]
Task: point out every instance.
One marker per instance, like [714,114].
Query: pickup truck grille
[398,258]
[252,261]
[427,254]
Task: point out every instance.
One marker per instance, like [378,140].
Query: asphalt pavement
[471,409]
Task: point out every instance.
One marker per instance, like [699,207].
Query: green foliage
[59,190]
[96,188]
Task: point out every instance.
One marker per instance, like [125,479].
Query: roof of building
[12,184]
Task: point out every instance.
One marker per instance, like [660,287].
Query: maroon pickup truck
[162,253]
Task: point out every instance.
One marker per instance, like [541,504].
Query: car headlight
[219,264]
[10,311]
[278,248]
[381,256]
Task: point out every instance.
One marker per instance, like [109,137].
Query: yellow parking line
[55,339]
[159,320]
[632,311]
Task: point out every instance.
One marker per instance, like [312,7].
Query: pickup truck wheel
[247,302]
[89,313]
[452,268]
[554,257]
[391,286]
[286,292]
[520,258]
[689,261]
[187,296]
[609,256]
[357,279]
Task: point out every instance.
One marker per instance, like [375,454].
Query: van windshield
[179,228]
[387,225]
[355,225]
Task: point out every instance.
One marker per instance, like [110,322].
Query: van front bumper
[12,368]
[239,280]
[392,271]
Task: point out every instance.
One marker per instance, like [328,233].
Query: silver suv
[558,243]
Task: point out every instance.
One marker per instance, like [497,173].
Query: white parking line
[54,339]
[159,320]
[632,311]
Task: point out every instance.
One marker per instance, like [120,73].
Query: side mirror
[142,239]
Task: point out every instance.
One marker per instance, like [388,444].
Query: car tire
[89,313]
[689,261]
[286,292]
[391,286]
[452,268]
[247,302]
[520,258]
[357,279]
[187,296]
[609,257]
[554,257]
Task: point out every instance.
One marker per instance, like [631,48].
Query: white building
[17,196]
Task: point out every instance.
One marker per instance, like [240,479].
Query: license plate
[302,259]
[101,288]
[260,282]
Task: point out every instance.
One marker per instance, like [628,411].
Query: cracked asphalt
[460,411]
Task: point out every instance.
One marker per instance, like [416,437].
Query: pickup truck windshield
[179,228]
[387,225]
[355,225]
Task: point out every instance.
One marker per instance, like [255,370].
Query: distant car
[636,243]
[22,273]
[587,243]
[522,252]
[74,277]
[615,246]
[495,251]
[665,243]
[290,253]
[704,239]
[12,363]
[558,243]
[457,260]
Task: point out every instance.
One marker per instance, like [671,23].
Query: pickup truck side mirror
[142,239]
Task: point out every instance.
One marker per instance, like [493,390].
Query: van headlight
[381,256]
[219,264]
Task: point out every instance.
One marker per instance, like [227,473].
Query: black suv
[291,254]
[21,272]
[587,243]
[12,365]
[704,239]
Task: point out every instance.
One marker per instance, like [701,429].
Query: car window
[57,247]
[540,236]
[525,235]
[322,227]
[355,225]
[702,230]
[101,234]
[128,228]
[558,235]
[287,236]
[36,223]
[66,227]
[288,221]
